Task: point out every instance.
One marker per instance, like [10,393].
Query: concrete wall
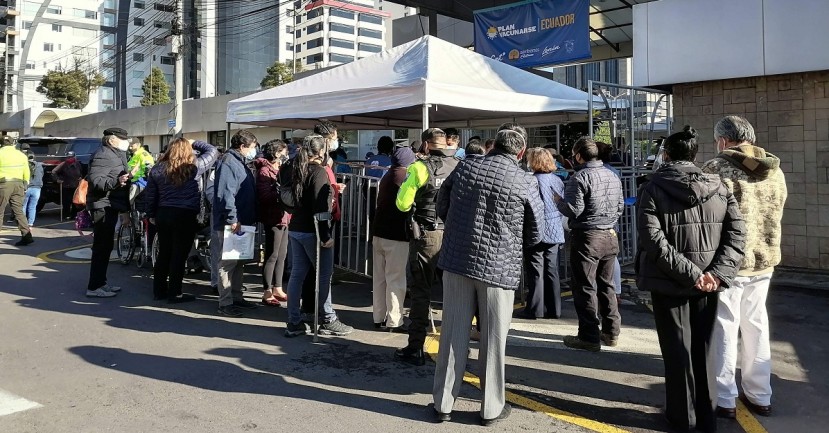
[679,41]
[790,114]
[201,116]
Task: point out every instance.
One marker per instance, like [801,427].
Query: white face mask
[333,144]
[123,145]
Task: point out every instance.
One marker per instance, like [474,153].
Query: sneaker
[110,288]
[609,340]
[504,415]
[230,310]
[243,303]
[335,328]
[295,330]
[575,342]
[25,240]
[99,293]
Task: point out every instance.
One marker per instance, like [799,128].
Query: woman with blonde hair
[541,261]
[174,199]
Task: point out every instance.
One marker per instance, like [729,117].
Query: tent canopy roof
[389,90]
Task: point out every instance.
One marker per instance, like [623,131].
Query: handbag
[79,197]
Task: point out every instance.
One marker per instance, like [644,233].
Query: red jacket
[335,209]
[266,195]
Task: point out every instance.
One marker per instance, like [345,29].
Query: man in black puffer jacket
[107,195]
[691,236]
[492,211]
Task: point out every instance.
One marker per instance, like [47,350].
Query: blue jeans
[30,203]
[304,253]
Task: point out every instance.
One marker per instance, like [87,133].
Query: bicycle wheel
[125,244]
[142,246]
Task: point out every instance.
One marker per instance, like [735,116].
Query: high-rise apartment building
[331,32]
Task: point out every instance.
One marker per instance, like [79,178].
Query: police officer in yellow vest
[14,177]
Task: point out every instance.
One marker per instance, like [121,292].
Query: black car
[51,151]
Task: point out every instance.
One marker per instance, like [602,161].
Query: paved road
[128,364]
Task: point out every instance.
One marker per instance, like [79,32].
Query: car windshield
[46,147]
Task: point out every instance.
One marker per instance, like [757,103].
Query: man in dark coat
[593,202]
[107,196]
[234,205]
[691,237]
[493,210]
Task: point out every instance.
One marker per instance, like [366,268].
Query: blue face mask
[250,155]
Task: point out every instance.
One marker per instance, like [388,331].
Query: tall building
[42,36]
[331,32]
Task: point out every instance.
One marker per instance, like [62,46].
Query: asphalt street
[130,364]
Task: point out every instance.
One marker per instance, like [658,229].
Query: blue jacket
[161,192]
[36,179]
[492,211]
[234,192]
[549,184]
[375,161]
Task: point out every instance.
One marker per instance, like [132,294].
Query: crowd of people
[709,239]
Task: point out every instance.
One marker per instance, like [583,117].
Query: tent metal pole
[426,116]
[558,138]
[227,136]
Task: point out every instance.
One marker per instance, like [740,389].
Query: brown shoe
[756,408]
[727,412]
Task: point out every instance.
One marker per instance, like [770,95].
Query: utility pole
[178,52]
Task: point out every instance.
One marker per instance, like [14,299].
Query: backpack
[286,199]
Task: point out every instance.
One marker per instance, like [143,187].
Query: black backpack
[286,199]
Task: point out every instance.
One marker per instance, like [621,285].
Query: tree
[280,73]
[70,88]
[155,88]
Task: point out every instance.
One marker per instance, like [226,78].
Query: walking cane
[60,186]
[325,216]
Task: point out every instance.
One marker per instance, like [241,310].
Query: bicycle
[133,237]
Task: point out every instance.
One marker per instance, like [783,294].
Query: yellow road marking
[747,420]
[431,347]
[45,255]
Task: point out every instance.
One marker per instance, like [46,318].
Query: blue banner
[535,33]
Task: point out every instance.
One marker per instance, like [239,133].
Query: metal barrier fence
[353,249]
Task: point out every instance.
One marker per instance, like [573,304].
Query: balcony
[8,11]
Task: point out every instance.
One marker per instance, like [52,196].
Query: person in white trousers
[754,177]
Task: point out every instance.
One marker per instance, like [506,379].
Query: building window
[298,19]
[83,13]
[289,46]
[341,58]
[138,39]
[611,71]
[106,92]
[137,74]
[164,7]
[313,43]
[109,39]
[371,19]
[316,58]
[109,20]
[138,22]
[370,33]
[57,10]
[315,13]
[139,5]
[48,47]
[137,92]
[570,76]
[30,65]
[341,13]
[298,34]
[590,71]
[369,48]
[138,57]
[162,24]
[165,60]
[341,43]
[57,28]
[27,25]
[342,28]
[315,28]
[289,29]
[160,41]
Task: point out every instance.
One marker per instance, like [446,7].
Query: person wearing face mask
[274,219]
[593,202]
[107,195]
[234,205]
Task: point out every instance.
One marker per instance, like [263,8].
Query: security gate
[633,120]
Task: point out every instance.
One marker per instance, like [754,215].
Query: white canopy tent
[424,82]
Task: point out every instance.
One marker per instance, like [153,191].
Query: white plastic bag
[239,246]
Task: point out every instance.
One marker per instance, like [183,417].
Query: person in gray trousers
[492,210]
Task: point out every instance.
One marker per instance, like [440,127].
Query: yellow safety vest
[14,165]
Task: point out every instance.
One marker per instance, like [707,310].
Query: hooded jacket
[754,177]
[688,224]
[389,221]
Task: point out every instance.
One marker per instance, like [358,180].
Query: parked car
[51,151]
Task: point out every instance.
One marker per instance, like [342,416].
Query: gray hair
[313,137]
[510,141]
[735,129]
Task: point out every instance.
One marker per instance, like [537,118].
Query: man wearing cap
[14,177]
[419,196]
[107,195]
